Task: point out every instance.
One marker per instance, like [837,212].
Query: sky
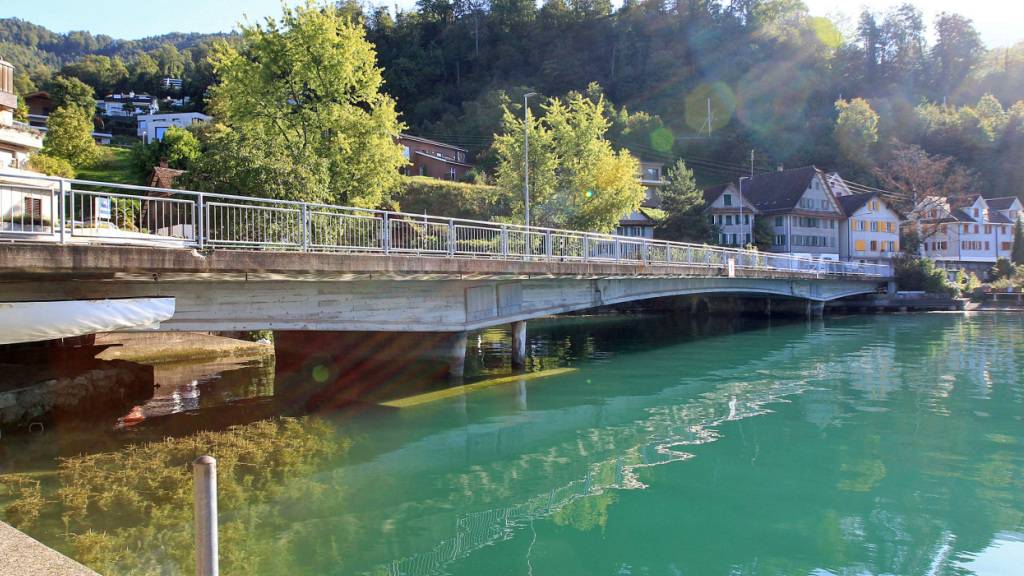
[996,20]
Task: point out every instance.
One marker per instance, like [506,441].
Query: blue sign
[103,208]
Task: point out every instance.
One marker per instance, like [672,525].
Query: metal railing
[65,210]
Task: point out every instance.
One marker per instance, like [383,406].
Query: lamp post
[526,157]
[742,178]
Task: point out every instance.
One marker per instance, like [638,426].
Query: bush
[50,165]
[966,282]
[1004,268]
[422,195]
[914,273]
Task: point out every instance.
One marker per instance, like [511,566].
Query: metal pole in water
[204,472]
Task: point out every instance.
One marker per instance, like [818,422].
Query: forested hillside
[773,74]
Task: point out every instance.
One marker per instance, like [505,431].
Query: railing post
[547,244]
[451,237]
[504,241]
[61,190]
[643,247]
[204,473]
[199,220]
[385,234]
[617,250]
[304,222]
[586,248]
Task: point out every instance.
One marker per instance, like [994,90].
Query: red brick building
[434,159]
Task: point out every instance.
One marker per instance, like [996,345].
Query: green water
[861,445]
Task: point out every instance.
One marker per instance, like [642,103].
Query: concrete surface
[21,555]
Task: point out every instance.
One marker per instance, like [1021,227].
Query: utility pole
[526,156]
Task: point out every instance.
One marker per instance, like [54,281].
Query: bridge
[244,263]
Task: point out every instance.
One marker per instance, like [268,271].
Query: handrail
[214,220]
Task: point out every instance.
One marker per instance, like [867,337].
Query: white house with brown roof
[972,236]
[731,213]
[871,232]
[641,222]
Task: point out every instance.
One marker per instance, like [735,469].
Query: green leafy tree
[577,180]
[856,130]
[179,148]
[301,100]
[50,165]
[683,203]
[1017,254]
[21,111]
[69,136]
[69,91]
[103,73]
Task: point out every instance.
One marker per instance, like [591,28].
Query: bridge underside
[329,292]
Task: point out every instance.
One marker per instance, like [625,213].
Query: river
[675,446]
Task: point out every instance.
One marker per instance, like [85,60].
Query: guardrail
[65,210]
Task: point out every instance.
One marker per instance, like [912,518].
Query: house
[39,107]
[803,214]
[871,232]
[151,127]
[171,83]
[971,236]
[130,104]
[17,140]
[732,214]
[434,159]
[23,207]
[641,222]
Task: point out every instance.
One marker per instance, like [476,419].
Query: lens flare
[662,139]
[723,106]
[321,373]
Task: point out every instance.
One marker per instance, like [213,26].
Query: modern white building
[130,104]
[152,126]
[24,208]
[641,222]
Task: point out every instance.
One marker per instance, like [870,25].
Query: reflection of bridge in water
[668,430]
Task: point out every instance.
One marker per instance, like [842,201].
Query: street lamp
[526,156]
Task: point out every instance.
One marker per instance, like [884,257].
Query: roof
[1001,203]
[427,141]
[853,202]
[779,191]
[850,203]
[712,194]
[998,218]
[961,216]
[162,177]
[443,159]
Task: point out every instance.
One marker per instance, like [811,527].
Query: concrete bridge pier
[815,309]
[519,344]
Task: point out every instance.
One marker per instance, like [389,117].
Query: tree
[69,91]
[856,130]
[914,175]
[179,148]
[956,52]
[1017,255]
[104,74]
[69,136]
[50,165]
[303,96]
[683,203]
[577,180]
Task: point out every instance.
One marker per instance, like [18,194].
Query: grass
[116,166]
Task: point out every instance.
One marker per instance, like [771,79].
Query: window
[976,228]
[733,238]
[987,248]
[967,228]
[747,240]
[824,204]
[988,228]
[874,245]
[853,224]
[746,218]
[423,170]
[863,225]
[451,173]
[874,226]
[778,222]
[727,199]
[858,245]
[975,212]
[780,240]
[1002,229]
[1006,246]
[728,219]
[892,246]
[724,239]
